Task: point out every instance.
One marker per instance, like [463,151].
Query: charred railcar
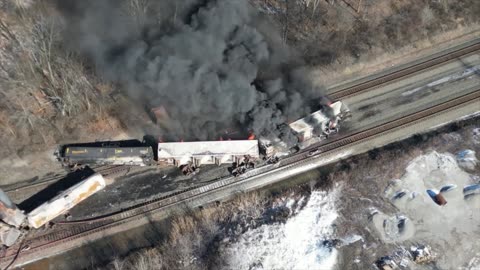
[105,155]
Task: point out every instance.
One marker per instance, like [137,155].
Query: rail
[68,231]
[20,193]
[400,74]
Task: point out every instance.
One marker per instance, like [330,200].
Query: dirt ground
[53,96]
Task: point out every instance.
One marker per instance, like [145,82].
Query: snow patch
[351,239]
[455,221]
[299,243]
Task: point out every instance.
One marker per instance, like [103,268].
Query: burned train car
[321,123]
[313,128]
[191,155]
[105,154]
[65,200]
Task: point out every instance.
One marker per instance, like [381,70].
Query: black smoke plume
[212,64]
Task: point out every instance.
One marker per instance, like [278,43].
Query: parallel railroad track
[66,232]
[400,74]
[20,193]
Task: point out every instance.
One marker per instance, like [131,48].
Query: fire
[251,136]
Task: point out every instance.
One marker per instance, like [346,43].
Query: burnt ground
[134,189]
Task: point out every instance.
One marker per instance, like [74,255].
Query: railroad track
[20,193]
[66,232]
[402,73]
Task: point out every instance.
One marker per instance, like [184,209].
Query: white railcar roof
[314,119]
[213,148]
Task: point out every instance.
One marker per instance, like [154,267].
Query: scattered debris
[437,197]
[242,167]
[422,254]
[399,195]
[448,188]
[475,188]
[314,152]
[386,263]
[189,169]
[11,219]
[402,258]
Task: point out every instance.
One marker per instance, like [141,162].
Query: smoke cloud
[211,64]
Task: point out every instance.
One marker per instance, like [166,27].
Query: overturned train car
[65,201]
[14,222]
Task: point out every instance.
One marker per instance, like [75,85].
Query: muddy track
[64,234]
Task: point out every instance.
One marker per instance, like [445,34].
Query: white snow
[352,239]
[473,264]
[457,76]
[456,222]
[296,244]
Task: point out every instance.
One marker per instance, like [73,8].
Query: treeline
[324,32]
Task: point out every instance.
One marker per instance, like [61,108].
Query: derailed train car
[14,221]
[188,156]
[12,218]
[315,127]
[65,201]
[72,155]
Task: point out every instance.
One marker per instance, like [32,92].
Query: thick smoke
[211,64]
